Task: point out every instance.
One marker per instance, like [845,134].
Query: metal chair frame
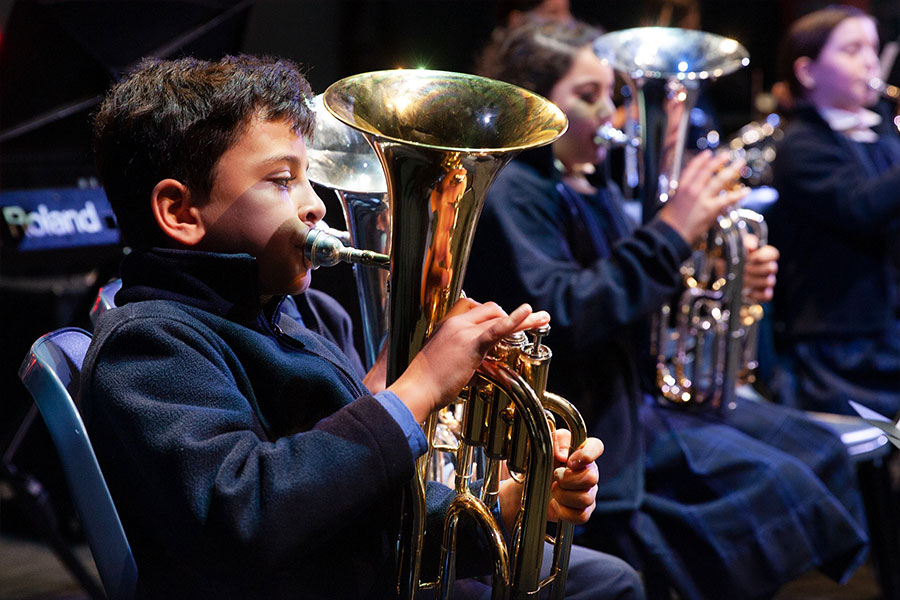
[51,372]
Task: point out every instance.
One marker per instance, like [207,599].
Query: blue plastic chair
[51,372]
[106,299]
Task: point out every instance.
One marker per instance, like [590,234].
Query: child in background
[837,222]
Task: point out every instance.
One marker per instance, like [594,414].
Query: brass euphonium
[342,160]
[700,341]
[441,139]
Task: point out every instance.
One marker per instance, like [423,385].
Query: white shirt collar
[854,124]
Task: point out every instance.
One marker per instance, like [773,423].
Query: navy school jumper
[837,225]
[245,456]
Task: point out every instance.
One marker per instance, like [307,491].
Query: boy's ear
[175,213]
[803,72]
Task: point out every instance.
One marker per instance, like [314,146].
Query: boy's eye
[283,182]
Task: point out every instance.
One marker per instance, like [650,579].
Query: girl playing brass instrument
[683,495]
[837,221]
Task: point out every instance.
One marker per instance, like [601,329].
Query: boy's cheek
[301,283]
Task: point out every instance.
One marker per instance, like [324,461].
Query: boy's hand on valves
[446,362]
[706,187]
[574,489]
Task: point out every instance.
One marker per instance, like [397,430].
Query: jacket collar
[223,284]
[541,160]
[856,125]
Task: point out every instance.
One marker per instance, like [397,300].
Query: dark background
[57,58]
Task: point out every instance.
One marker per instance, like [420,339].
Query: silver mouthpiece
[325,250]
[607,135]
[344,236]
[887,90]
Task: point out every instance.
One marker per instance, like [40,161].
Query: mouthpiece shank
[608,135]
[343,236]
[324,250]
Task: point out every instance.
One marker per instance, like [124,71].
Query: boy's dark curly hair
[175,119]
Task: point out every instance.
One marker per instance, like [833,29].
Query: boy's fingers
[586,454]
[721,178]
[760,270]
[533,320]
[695,164]
[576,497]
[765,254]
[761,294]
[519,319]
[576,480]
[501,327]
[562,440]
[751,242]
[576,508]
[520,314]
[754,281]
[479,312]
[714,169]
[461,306]
[729,198]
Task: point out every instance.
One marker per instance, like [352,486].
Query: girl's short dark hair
[806,37]
[175,119]
[536,54]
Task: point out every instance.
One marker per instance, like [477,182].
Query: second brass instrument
[341,160]
[700,340]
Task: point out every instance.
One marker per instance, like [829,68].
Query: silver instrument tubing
[341,159]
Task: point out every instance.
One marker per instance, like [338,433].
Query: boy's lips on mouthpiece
[303,258]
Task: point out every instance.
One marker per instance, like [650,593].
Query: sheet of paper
[878,420]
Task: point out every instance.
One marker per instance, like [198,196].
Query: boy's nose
[312,210]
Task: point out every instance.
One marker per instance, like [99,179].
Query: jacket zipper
[281,336]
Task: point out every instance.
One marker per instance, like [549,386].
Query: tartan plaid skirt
[740,501]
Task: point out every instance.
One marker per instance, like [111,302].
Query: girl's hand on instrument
[701,195]
[759,269]
[445,364]
[573,492]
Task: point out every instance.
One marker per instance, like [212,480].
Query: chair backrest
[51,372]
[106,299]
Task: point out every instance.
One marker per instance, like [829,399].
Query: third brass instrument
[341,160]
[699,341]
[441,139]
